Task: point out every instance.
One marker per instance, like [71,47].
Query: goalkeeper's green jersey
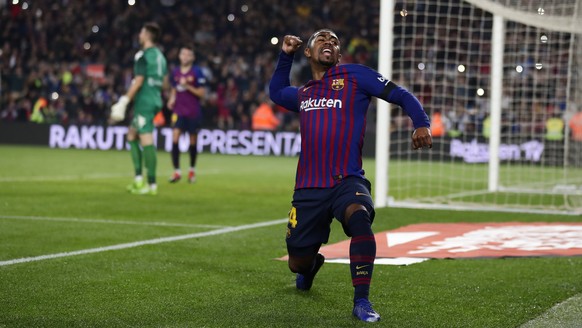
[151,64]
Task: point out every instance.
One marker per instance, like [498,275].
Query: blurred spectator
[437,126]
[83,50]
[38,111]
[225,119]
[575,124]
[554,128]
[16,83]
[10,112]
[456,120]
[264,118]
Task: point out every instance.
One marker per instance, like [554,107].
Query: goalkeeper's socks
[136,156]
[362,252]
[149,153]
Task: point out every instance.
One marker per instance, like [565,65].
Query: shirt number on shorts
[293,217]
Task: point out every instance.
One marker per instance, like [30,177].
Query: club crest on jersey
[337,84]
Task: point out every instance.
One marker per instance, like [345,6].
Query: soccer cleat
[135,185]
[363,311]
[304,281]
[191,176]
[175,177]
[145,190]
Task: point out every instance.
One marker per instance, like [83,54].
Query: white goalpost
[501,82]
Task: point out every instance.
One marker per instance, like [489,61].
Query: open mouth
[326,51]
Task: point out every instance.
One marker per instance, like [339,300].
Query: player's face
[325,49]
[143,35]
[186,57]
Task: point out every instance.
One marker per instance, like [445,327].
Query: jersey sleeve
[370,81]
[280,89]
[374,84]
[201,80]
[140,66]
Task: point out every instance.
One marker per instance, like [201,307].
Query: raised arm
[280,89]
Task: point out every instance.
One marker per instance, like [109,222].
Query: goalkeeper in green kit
[150,76]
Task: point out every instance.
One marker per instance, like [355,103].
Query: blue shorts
[313,210]
[187,124]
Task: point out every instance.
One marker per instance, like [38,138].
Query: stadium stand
[72,59]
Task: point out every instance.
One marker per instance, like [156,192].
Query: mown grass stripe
[143,242]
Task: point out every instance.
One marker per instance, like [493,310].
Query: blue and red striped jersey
[187,104]
[333,118]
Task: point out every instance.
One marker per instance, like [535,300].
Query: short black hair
[154,29]
[314,35]
[187,45]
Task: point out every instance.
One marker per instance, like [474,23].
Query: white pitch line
[565,314]
[143,242]
[159,224]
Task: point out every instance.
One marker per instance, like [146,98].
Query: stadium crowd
[70,60]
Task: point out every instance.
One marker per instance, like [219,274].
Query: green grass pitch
[56,201]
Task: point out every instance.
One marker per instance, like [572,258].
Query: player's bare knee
[295,267]
[131,134]
[359,224]
[351,209]
[176,135]
[299,265]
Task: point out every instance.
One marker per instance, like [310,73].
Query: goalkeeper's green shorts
[143,121]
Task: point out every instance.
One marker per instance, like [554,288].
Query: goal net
[501,82]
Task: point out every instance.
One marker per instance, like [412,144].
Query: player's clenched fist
[291,43]
[421,138]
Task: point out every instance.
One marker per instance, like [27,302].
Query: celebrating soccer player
[150,70]
[330,181]
[188,88]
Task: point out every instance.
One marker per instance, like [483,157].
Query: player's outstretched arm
[377,85]
[421,137]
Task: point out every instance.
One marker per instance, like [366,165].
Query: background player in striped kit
[330,181]
[188,89]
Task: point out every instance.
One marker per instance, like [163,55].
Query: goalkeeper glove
[118,109]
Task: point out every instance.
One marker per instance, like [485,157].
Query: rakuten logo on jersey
[322,103]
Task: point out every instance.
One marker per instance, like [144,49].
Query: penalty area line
[144,242]
[565,314]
